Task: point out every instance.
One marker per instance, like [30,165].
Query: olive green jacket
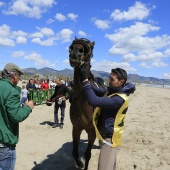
[11,112]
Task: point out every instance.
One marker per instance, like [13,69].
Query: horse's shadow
[62,159]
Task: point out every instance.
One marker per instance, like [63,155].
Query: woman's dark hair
[121,74]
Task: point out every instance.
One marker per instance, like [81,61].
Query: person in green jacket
[11,113]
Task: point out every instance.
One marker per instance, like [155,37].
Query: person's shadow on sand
[62,159]
[47,122]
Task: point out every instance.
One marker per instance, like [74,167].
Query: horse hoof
[80,164]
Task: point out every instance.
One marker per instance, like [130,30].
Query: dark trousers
[62,107]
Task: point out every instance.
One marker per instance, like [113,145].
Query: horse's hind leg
[91,139]
[76,139]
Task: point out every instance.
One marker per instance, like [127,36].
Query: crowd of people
[41,84]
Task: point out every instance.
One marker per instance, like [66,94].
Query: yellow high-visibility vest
[118,124]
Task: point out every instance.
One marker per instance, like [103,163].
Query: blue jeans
[23,100]
[7,158]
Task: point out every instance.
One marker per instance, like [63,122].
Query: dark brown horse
[80,54]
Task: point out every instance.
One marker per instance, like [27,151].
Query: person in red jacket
[44,85]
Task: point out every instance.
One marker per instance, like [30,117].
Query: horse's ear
[75,38]
[93,43]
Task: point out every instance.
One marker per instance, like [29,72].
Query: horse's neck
[77,83]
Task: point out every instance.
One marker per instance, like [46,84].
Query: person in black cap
[11,113]
[108,117]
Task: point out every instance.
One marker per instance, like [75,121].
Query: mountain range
[69,73]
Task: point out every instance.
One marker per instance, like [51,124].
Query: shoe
[61,126]
[55,125]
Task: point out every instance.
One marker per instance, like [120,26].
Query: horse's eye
[81,50]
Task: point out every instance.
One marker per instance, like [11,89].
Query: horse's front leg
[76,132]
[91,139]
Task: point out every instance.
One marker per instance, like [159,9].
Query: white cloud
[166,75]
[66,61]
[129,57]
[82,33]
[2,3]
[37,35]
[134,44]
[115,49]
[31,9]
[60,17]
[36,40]
[159,64]
[108,65]
[50,21]
[167,52]
[5,39]
[6,42]
[93,60]
[47,42]
[144,65]
[38,60]
[139,29]
[46,31]
[137,12]
[21,40]
[156,62]
[65,35]
[143,57]
[18,54]
[72,16]
[101,24]
[7,36]
[151,56]
[18,33]
[4,31]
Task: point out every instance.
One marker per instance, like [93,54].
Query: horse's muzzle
[74,62]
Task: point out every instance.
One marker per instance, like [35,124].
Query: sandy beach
[146,139]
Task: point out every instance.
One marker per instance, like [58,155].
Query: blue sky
[134,35]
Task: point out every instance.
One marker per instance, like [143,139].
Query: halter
[80,49]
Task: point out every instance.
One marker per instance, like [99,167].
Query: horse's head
[80,52]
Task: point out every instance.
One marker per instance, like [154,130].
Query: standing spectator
[52,84]
[44,85]
[60,102]
[24,93]
[48,80]
[31,85]
[37,83]
[67,83]
[11,113]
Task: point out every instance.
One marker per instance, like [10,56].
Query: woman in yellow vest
[108,119]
